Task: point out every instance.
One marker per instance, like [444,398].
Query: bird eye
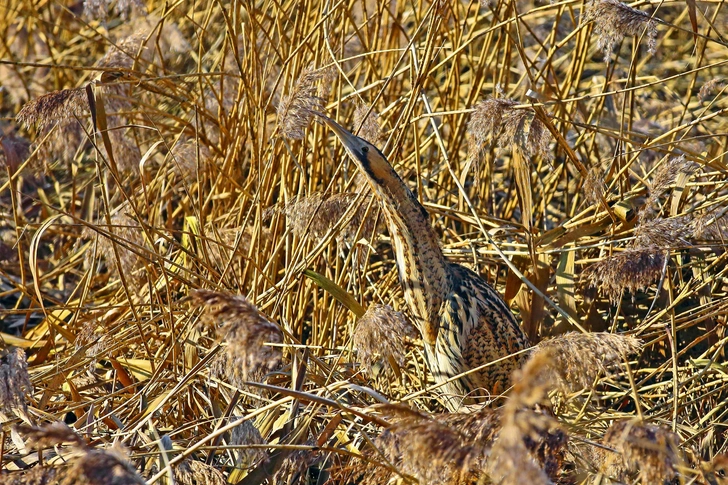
[365,149]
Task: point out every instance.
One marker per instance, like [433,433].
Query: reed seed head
[593,186]
[631,270]
[497,121]
[381,333]
[51,434]
[246,333]
[297,108]
[318,213]
[369,128]
[709,89]
[577,359]
[55,106]
[650,451]
[613,20]
[102,467]
[664,233]
[247,434]
[15,382]
[14,151]
[193,472]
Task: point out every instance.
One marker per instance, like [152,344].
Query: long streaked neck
[421,264]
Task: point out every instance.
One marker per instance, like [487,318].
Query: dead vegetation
[165,198]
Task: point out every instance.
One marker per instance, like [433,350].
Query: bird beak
[347,139]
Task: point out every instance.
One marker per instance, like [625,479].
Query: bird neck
[420,262]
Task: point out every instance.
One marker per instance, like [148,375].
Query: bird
[463,321]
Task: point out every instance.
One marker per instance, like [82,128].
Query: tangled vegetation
[196,286]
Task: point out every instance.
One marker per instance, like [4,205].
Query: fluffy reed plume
[127,238]
[299,466]
[368,126]
[496,120]
[664,233]
[124,53]
[38,475]
[295,110]
[185,155]
[427,449]
[650,451]
[613,20]
[55,106]
[709,89]
[102,467]
[577,359]
[98,9]
[530,446]
[247,434]
[51,434]
[318,213]
[246,333]
[381,334]
[193,472]
[15,383]
[593,186]
[13,151]
[631,270]
[666,175]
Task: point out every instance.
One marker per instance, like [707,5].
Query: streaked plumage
[464,323]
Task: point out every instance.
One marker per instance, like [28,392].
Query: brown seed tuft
[632,270]
[13,151]
[708,89]
[324,212]
[53,107]
[381,334]
[15,382]
[246,333]
[369,128]
[648,450]
[102,467]
[244,435]
[38,475]
[498,119]
[51,434]
[613,20]
[127,238]
[577,359]
[296,109]
[98,9]
[593,186]
[429,450]
[297,466]
[193,472]
[666,174]
[664,233]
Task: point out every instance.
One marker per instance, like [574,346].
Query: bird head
[368,158]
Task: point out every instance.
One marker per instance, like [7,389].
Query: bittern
[464,323]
